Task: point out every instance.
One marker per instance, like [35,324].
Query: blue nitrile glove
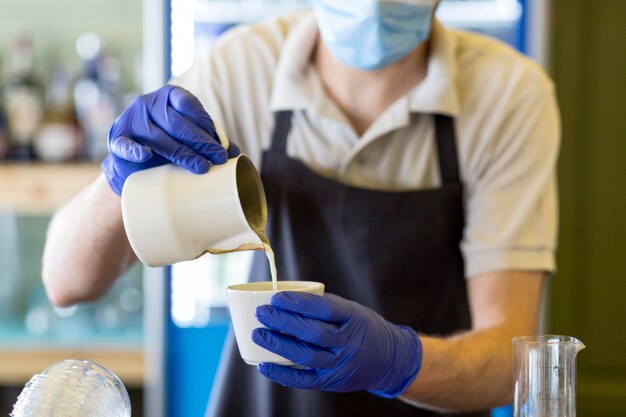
[344,345]
[168,125]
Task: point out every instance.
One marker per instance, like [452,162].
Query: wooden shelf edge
[42,188]
[18,366]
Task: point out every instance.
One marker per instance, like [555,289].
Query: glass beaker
[545,375]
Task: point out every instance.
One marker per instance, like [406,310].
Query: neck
[365,95]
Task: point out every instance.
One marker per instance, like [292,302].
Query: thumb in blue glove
[168,125]
[344,346]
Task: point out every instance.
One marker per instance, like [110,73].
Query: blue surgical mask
[372,34]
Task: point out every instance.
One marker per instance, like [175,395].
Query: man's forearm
[86,247]
[468,372]
[474,370]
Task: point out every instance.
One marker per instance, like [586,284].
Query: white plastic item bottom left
[73,388]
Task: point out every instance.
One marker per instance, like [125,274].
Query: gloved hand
[168,125]
[344,346]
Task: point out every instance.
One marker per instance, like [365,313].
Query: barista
[409,167]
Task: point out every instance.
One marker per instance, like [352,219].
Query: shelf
[18,366]
[42,188]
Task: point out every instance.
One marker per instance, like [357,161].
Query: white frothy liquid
[270,257]
[255,211]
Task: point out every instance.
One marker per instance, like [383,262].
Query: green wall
[588,297]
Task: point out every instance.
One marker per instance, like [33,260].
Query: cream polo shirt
[505,111]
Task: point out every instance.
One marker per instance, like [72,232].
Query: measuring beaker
[545,376]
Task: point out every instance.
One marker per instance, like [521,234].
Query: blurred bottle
[23,101]
[59,138]
[4,134]
[95,95]
[4,128]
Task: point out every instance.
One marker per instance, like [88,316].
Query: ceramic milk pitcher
[171,215]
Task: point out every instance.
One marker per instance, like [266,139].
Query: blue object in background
[524,27]
[192,358]
[192,355]
[502,411]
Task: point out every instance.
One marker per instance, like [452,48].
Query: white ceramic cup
[171,215]
[243,299]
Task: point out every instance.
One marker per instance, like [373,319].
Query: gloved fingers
[188,159]
[328,307]
[216,143]
[129,150]
[117,170]
[191,135]
[233,150]
[190,107]
[177,153]
[291,377]
[297,351]
[305,328]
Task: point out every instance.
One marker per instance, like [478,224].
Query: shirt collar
[437,93]
[296,84]
[295,80]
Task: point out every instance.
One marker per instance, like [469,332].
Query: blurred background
[67,68]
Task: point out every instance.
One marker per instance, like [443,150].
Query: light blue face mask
[372,34]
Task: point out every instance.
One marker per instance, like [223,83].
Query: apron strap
[282,126]
[446,149]
[444,131]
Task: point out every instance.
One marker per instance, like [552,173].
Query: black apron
[395,252]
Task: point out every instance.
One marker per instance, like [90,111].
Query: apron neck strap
[446,149]
[444,131]
[282,126]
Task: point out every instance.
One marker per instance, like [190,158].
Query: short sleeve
[511,208]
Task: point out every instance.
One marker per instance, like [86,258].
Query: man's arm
[344,346]
[86,247]
[474,370]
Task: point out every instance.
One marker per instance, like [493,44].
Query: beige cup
[243,299]
[171,215]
